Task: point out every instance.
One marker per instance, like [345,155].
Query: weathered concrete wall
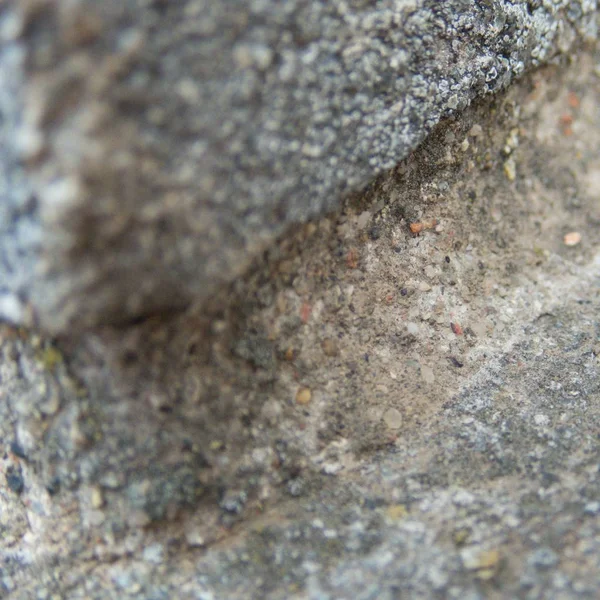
[151,149]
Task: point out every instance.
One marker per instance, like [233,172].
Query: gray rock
[170,459]
[151,150]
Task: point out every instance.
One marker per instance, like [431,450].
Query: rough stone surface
[152,149]
[172,460]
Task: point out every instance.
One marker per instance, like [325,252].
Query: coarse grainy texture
[446,444]
[152,149]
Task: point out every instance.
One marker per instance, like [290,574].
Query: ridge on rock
[151,150]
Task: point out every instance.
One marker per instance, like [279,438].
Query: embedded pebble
[112,480]
[330,347]
[363,219]
[476,130]
[512,141]
[430,271]
[271,410]
[96,498]
[194,537]
[233,501]
[396,512]
[484,563]
[572,238]
[392,417]
[303,396]
[427,374]
[510,169]
[153,554]
[412,328]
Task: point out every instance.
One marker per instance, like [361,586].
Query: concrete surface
[400,401]
[151,150]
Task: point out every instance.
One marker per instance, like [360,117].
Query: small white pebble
[412,328]
[572,239]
